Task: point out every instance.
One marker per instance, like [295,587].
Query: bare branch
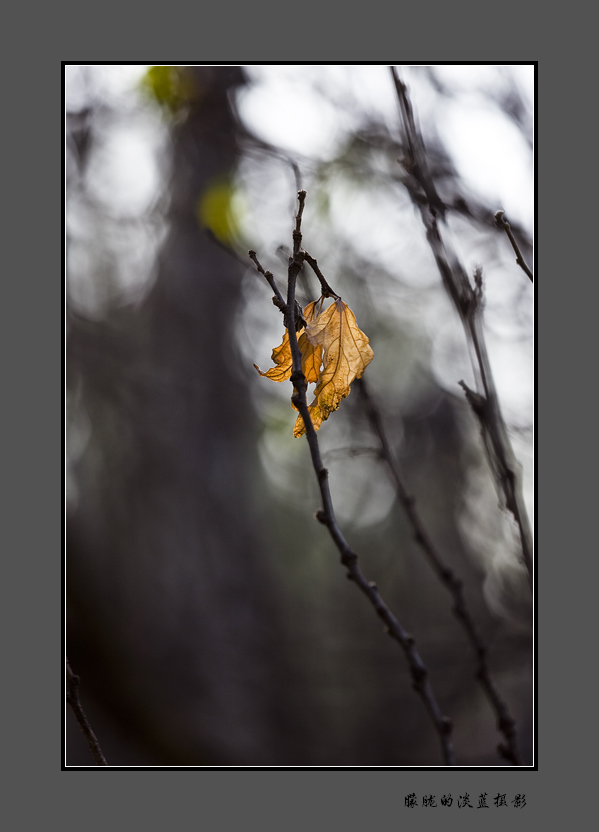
[505,722]
[326,289]
[297,232]
[468,304]
[501,222]
[278,298]
[326,516]
[73,683]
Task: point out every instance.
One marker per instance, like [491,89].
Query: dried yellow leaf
[346,354]
[311,354]
[282,357]
[334,352]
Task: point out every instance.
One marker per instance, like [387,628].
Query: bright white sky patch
[283,110]
[491,156]
[125,176]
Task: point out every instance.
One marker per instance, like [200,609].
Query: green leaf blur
[170,86]
[217,209]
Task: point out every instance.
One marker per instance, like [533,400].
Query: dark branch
[278,298]
[326,516]
[501,222]
[297,232]
[416,163]
[73,683]
[468,304]
[505,723]
[326,289]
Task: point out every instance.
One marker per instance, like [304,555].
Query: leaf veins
[311,354]
[334,352]
[346,354]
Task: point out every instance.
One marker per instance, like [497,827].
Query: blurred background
[207,612]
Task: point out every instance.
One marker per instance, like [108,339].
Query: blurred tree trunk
[169,612]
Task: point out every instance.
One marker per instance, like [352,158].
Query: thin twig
[278,299]
[468,304]
[326,289]
[505,722]
[416,163]
[501,222]
[326,516]
[73,683]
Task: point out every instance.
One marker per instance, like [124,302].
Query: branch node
[506,724]
[477,402]
[447,575]
[349,558]
[419,674]
[280,304]
[446,725]
[501,222]
[298,379]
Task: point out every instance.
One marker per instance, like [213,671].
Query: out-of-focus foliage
[171,86]
[218,209]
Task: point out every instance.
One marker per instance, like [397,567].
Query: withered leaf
[334,352]
[311,354]
[346,354]
[282,357]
